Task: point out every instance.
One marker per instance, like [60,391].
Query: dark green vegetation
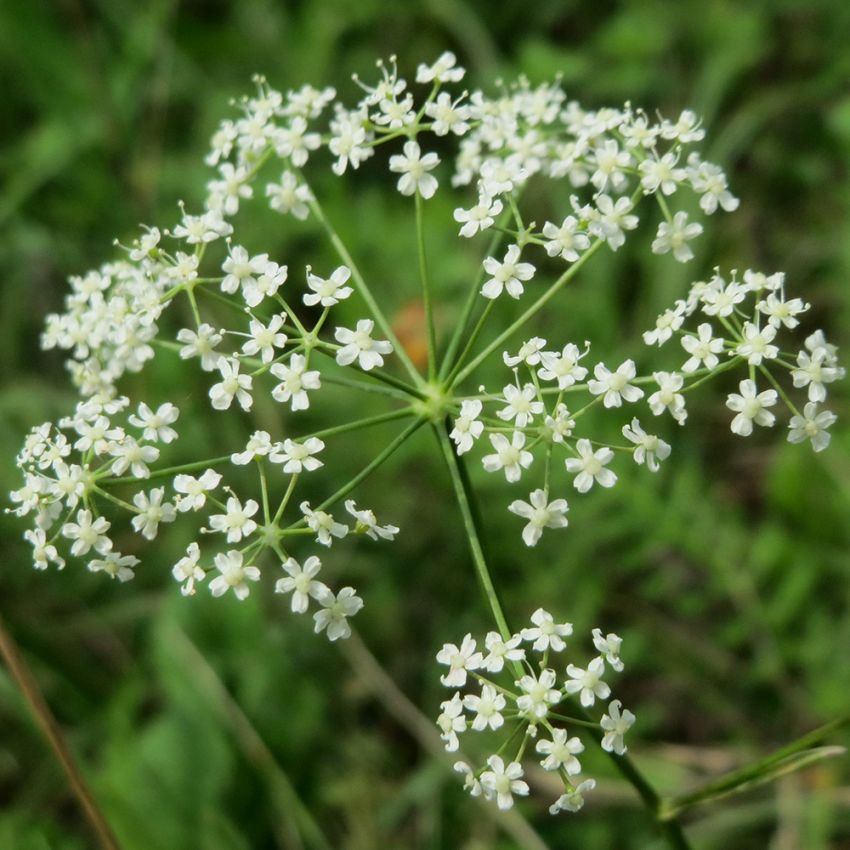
[727,574]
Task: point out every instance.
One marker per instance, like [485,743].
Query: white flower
[448,115]
[115,565]
[540,513]
[265,338]
[131,455]
[459,660]
[43,553]
[703,349]
[451,721]
[289,196]
[668,397]
[87,533]
[538,693]
[479,217]
[812,426]
[565,241]
[237,522]
[335,613]
[193,491]
[649,449]
[187,570]
[444,70]
[547,634]
[522,405]
[328,292]
[611,219]
[265,285]
[529,353]
[201,344]
[610,162]
[414,170]
[573,800]
[358,345]
[467,427]
[508,274]
[295,380]
[587,683]
[665,324]
[487,708]
[781,312]
[564,367]
[152,512]
[756,344]
[561,752]
[323,524]
[510,456]
[661,174]
[368,524]
[298,457]
[295,143]
[589,466]
[503,782]
[348,141]
[710,181]
[722,300]
[259,445]
[500,650]
[814,370]
[615,385]
[609,646]
[470,783]
[157,426]
[300,582]
[241,269]
[233,575]
[751,407]
[232,384]
[615,725]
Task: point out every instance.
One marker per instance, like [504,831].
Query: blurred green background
[211,724]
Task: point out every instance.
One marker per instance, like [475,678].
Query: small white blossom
[336,609]
[668,397]
[289,196]
[756,345]
[444,70]
[467,427]
[566,241]
[131,455]
[115,565]
[201,344]
[509,456]
[233,575]
[500,650]
[236,523]
[538,694]
[812,426]
[301,582]
[232,385]
[298,457]
[188,571]
[44,553]
[152,512]
[665,324]
[502,782]
[451,721]
[509,274]
[615,385]
[295,380]
[529,353]
[751,407]
[367,523]
[573,800]
[459,660]
[193,491]
[540,513]
[157,426]
[414,169]
[259,445]
[358,345]
[521,405]
[487,707]
[323,524]
[478,218]
[590,466]
[561,752]
[814,370]
[703,349]
[649,449]
[609,646]
[615,725]
[587,683]
[328,292]
[781,311]
[546,633]
[675,235]
[264,339]
[661,174]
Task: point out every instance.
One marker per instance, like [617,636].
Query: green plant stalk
[671,807]
[426,289]
[52,732]
[541,302]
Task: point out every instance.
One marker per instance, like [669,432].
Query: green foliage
[727,574]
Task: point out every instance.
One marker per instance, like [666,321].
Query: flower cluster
[516,691]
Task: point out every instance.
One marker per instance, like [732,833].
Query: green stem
[471,340]
[364,290]
[361,423]
[541,302]
[168,471]
[471,522]
[426,289]
[471,300]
